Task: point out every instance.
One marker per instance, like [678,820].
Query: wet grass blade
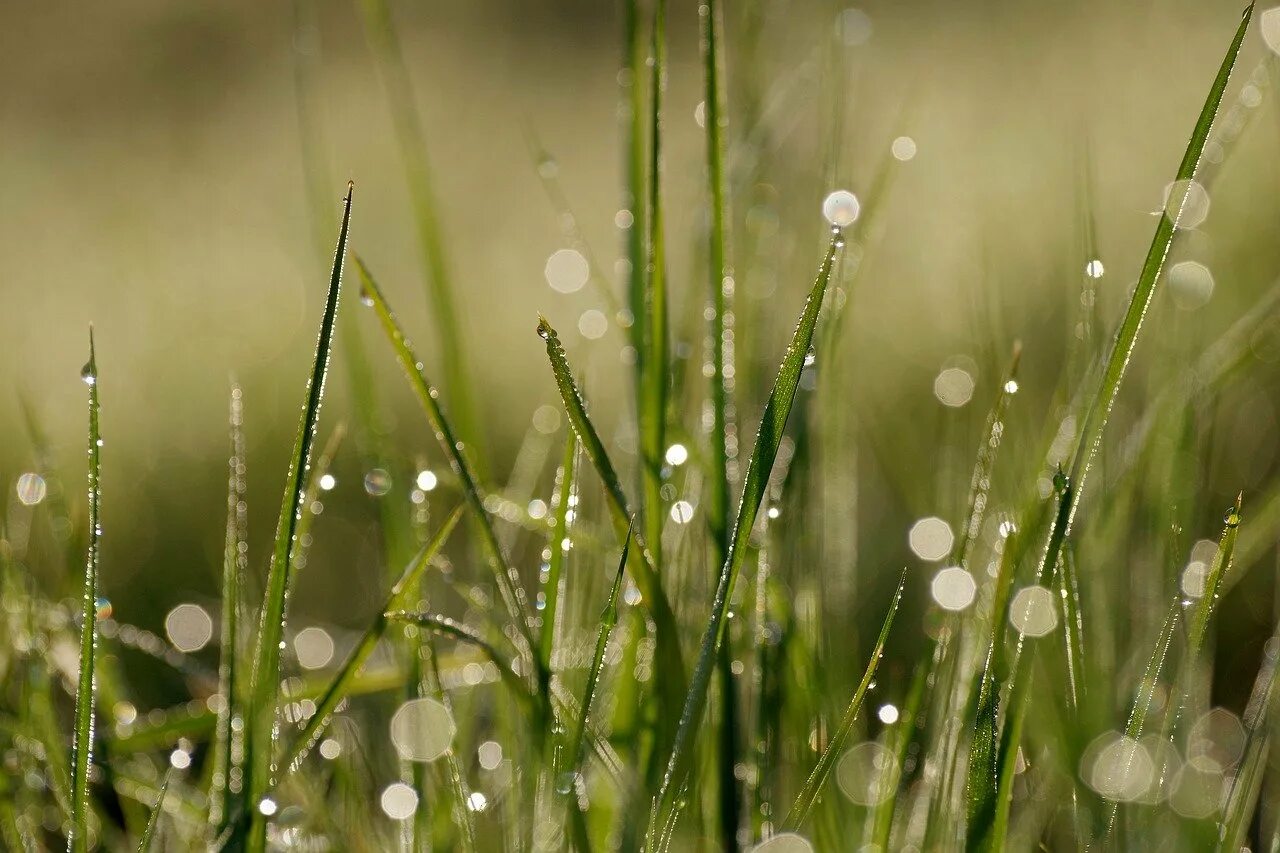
[223,795]
[565,488]
[809,793]
[82,739]
[508,580]
[1242,800]
[1099,406]
[153,821]
[342,682]
[1198,624]
[768,439]
[260,728]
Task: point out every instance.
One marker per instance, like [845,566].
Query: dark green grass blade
[719,336]
[513,594]
[343,681]
[82,739]
[260,727]
[812,788]
[645,573]
[772,426]
[559,533]
[223,795]
[381,31]
[153,821]
[656,360]
[1099,406]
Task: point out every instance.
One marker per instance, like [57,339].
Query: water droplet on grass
[88,375]
[841,208]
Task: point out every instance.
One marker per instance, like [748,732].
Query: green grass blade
[631,82]
[224,792]
[565,489]
[260,728]
[342,682]
[769,437]
[809,793]
[383,38]
[1198,624]
[508,580]
[1242,799]
[1099,407]
[82,740]
[153,821]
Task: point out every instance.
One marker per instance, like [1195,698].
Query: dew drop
[1231,518]
[88,374]
[102,606]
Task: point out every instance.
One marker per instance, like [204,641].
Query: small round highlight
[841,208]
[903,148]
[399,801]
[930,539]
[1032,611]
[1190,285]
[422,730]
[566,270]
[1119,768]
[189,627]
[953,387]
[1186,203]
[313,647]
[31,489]
[953,588]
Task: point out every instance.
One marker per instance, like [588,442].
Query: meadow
[736,541]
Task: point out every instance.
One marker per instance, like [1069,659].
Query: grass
[594,654]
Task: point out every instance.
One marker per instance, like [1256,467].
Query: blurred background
[154,162]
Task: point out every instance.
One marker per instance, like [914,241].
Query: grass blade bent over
[82,738]
[260,728]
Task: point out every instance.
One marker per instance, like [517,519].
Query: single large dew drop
[841,208]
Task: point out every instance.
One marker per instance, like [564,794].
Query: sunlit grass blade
[224,792]
[1099,407]
[646,575]
[566,484]
[1198,624]
[508,579]
[342,682]
[382,34]
[260,727]
[812,787]
[153,820]
[772,426]
[82,738]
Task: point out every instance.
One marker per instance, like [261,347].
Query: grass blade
[835,747]
[513,594]
[148,834]
[82,739]
[1099,407]
[565,490]
[1199,622]
[260,728]
[772,426]
[344,679]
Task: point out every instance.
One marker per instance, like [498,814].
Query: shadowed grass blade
[343,680]
[82,739]
[148,834]
[260,728]
[1099,406]
[769,437]
[808,795]
[513,594]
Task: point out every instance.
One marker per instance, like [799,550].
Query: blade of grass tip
[808,795]
[565,487]
[381,31]
[260,728]
[341,684]
[1199,622]
[720,338]
[646,575]
[148,834]
[226,784]
[772,426]
[1099,407]
[653,400]
[82,738]
[508,580]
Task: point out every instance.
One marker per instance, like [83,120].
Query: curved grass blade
[513,594]
[769,437]
[82,739]
[224,793]
[808,795]
[340,686]
[260,728]
[153,821]
[1099,407]
[451,628]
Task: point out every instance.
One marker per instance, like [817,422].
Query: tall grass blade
[768,439]
[342,682]
[809,793]
[261,727]
[1242,799]
[1104,398]
[508,579]
[1198,624]
[153,820]
[82,739]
